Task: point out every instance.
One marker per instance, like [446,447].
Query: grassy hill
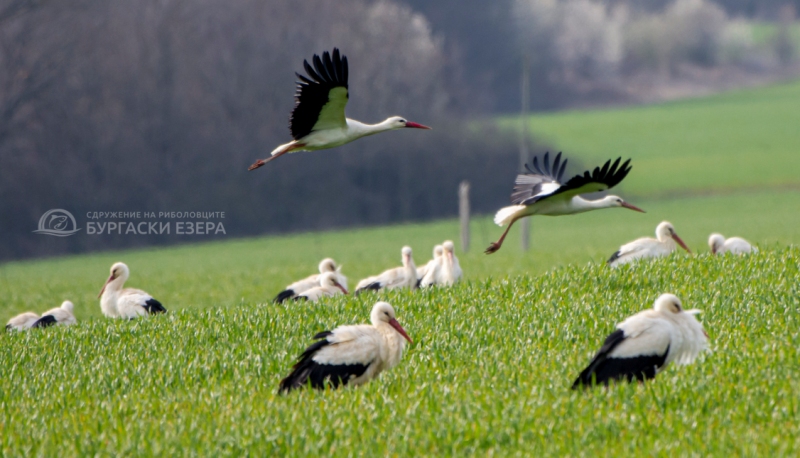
[489,372]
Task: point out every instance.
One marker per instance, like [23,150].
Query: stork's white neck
[360,129]
[584,205]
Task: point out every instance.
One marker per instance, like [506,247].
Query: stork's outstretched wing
[321,96]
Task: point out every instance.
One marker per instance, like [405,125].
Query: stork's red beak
[339,285]
[632,207]
[110,279]
[393,323]
[680,242]
[416,126]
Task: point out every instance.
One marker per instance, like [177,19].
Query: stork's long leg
[288,149]
[494,246]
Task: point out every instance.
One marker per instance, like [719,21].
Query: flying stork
[318,120]
[733,245]
[645,343]
[116,302]
[647,247]
[350,354]
[542,192]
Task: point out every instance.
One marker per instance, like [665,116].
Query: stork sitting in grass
[645,343]
[350,355]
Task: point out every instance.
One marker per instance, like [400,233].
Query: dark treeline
[160,105]
[153,105]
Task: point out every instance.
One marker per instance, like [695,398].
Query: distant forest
[160,105]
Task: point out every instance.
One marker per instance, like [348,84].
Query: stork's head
[398,122]
[665,231]
[68,306]
[382,313]
[437,251]
[118,271]
[668,303]
[329,279]
[715,242]
[327,265]
[617,201]
[449,249]
[406,255]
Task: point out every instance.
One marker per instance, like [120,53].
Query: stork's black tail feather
[283,295]
[153,306]
[45,321]
[613,257]
[374,286]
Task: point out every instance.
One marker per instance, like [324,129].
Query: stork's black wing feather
[318,375]
[528,185]
[603,369]
[314,92]
[600,179]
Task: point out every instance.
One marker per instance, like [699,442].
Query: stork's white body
[335,136]
[398,277]
[646,343]
[350,355]
[328,288]
[63,315]
[119,302]
[312,281]
[429,273]
[733,245]
[450,272]
[648,247]
[22,321]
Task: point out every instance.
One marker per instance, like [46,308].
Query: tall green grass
[489,373]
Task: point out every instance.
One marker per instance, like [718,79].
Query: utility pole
[525,224]
[463,213]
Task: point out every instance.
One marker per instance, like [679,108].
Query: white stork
[647,247]
[312,281]
[431,266]
[328,287]
[129,303]
[62,316]
[542,192]
[450,272]
[398,277]
[350,355]
[733,245]
[22,321]
[318,120]
[645,343]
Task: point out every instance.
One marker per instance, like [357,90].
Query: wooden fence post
[463,213]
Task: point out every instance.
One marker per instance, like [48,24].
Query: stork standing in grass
[542,192]
[318,120]
[647,247]
[328,287]
[63,316]
[733,245]
[22,321]
[398,277]
[312,281]
[116,302]
[645,343]
[350,355]
[450,272]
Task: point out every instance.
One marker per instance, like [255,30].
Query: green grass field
[493,358]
